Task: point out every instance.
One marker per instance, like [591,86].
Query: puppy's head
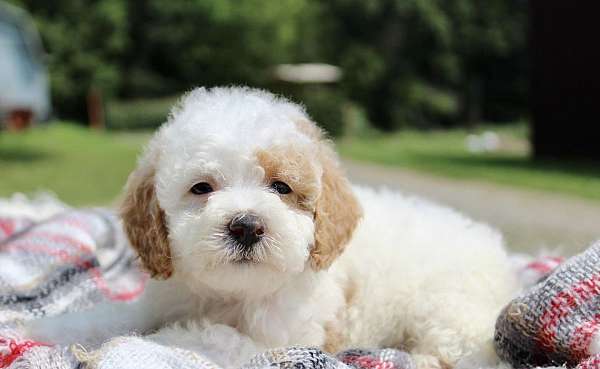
[238,192]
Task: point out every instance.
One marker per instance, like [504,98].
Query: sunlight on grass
[85,167]
[444,153]
[82,167]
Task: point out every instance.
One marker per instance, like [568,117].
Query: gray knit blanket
[78,258]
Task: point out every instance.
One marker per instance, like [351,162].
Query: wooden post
[95,109]
[19,119]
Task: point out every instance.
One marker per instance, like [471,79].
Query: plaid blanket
[78,258]
[557,321]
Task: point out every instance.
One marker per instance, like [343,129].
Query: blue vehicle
[24,86]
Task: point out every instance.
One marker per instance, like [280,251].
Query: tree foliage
[432,61]
[406,62]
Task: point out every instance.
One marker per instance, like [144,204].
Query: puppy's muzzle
[247,229]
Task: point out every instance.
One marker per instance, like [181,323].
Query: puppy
[239,210]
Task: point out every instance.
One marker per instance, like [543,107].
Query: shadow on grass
[22,155]
[587,169]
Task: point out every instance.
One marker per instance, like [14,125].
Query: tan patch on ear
[337,212]
[145,226]
[291,166]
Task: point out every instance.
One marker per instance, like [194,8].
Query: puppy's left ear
[144,222]
[337,210]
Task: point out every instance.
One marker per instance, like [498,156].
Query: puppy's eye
[201,188]
[281,187]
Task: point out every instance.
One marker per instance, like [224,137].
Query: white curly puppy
[240,211]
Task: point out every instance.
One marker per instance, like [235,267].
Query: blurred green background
[409,63]
[435,86]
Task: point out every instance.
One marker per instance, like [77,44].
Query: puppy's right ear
[144,222]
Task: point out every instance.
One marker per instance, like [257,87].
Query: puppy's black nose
[246,228]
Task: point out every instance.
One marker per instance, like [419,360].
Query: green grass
[85,167]
[444,153]
[82,167]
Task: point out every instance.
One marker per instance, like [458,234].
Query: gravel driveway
[529,220]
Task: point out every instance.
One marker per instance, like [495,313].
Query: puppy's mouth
[238,253]
[245,260]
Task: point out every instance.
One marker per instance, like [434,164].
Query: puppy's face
[238,192]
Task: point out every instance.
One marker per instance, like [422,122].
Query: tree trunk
[565,78]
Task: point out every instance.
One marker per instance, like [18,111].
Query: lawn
[86,167]
[82,167]
[445,153]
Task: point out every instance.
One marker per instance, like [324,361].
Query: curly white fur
[414,275]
